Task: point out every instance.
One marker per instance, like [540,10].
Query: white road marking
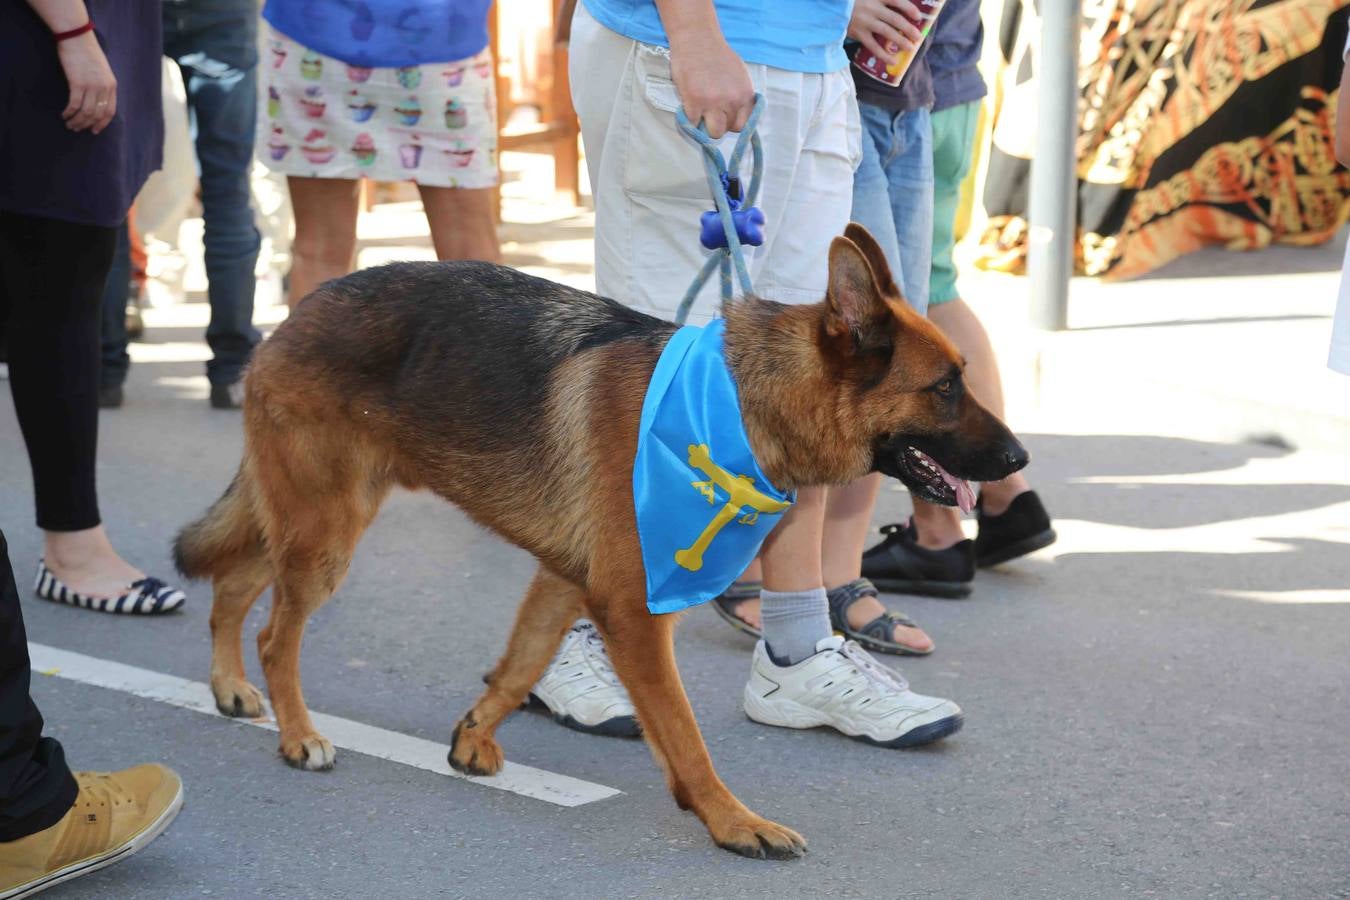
[562,790]
[1300,596]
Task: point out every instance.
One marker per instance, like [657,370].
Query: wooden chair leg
[566,155]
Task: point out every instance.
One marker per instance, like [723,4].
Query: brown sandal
[729,601]
[877,634]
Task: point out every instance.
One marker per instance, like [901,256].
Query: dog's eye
[944,387]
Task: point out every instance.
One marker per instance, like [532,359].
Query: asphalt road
[1157,707]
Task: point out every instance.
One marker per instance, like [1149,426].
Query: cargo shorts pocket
[662,161]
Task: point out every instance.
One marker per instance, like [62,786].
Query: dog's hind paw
[759,839]
[313,752]
[237,698]
[473,752]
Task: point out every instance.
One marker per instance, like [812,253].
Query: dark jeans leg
[116,361]
[215,45]
[36,787]
[52,276]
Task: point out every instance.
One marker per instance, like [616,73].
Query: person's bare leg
[959,322]
[86,562]
[848,519]
[325,232]
[463,223]
[791,555]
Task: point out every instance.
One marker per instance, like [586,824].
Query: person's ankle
[76,550]
[937,527]
[86,562]
[997,496]
[793,622]
[864,610]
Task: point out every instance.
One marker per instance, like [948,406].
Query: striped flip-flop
[146,597]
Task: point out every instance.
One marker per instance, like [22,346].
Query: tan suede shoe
[115,814]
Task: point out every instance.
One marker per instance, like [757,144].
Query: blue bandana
[703,505]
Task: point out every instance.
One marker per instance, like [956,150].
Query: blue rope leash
[740,221]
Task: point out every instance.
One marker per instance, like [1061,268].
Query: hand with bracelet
[93,87]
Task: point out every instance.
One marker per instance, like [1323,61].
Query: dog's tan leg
[235,594]
[551,605]
[295,597]
[642,649]
[302,585]
[321,503]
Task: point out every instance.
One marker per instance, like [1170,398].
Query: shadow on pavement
[1277,260]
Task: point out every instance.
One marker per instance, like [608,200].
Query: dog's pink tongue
[965,496]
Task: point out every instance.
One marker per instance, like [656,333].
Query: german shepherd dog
[518,400]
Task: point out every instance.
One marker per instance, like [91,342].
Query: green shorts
[953,146]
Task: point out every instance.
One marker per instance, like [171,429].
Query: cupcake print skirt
[435,124]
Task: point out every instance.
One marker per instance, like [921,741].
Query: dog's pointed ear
[875,257]
[855,305]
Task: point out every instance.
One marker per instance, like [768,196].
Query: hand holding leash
[737,219]
[712,81]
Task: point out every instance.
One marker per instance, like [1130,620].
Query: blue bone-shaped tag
[749,222]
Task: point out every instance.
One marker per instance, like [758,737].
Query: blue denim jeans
[214,43]
[893,194]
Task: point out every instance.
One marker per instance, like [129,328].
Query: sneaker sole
[619,726]
[137,843]
[915,737]
[924,734]
[1017,548]
[947,590]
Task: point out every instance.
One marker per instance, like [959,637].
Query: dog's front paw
[472,751]
[237,698]
[749,835]
[312,752]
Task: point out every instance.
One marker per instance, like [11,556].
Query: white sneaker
[843,687]
[581,690]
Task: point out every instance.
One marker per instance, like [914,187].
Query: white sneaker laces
[884,677]
[593,650]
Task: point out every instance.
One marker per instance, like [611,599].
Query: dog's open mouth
[932,483]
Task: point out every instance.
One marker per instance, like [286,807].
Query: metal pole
[1054,185]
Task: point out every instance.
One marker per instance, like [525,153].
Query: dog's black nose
[1016,457]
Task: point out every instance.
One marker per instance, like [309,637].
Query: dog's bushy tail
[212,545]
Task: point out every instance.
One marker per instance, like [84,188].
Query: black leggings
[52,275]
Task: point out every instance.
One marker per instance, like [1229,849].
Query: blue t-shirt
[384,33]
[796,35]
[954,55]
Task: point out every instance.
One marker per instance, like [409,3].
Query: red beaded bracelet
[59,36]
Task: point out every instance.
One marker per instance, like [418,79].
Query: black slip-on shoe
[1023,528]
[900,566]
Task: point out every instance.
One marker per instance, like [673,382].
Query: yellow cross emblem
[740,491]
